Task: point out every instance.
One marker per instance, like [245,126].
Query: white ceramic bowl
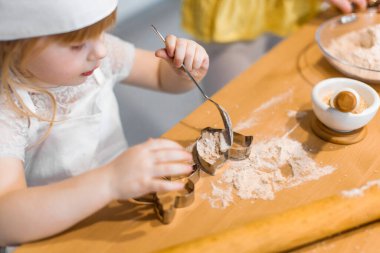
[343,121]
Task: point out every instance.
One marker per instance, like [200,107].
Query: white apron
[76,144]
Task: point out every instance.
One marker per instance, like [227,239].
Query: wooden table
[292,68]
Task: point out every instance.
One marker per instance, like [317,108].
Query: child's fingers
[171,155]
[189,56]
[198,58]
[157,144]
[168,169]
[205,63]
[165,185]
[162,53]
[170,42]
[180,52]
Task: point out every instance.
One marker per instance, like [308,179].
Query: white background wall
[129,8]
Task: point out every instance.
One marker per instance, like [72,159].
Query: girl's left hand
[180,51]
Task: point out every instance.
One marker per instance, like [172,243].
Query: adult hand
[347,6]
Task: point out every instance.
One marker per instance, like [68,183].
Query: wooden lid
[345,101]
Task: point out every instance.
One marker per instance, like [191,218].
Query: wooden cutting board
[290,70]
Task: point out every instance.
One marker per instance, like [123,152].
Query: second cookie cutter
[165,204]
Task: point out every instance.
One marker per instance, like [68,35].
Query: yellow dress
[225,21]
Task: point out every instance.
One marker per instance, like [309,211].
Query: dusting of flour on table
[296,114]
[273,165]
[251,120]
[219,198]
[360,191]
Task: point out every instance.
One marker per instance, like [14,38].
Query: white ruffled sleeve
[121,55]
[13,132]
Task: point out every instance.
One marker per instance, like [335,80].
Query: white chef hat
[21,19]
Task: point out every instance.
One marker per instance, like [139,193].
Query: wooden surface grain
[292,228]
[259,99]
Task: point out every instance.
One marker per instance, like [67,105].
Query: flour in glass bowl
[360,48]
[273,165]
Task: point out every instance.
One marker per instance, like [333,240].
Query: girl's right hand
[139,170]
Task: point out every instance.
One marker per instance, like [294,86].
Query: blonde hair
[14,56]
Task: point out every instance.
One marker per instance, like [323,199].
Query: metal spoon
[225,117]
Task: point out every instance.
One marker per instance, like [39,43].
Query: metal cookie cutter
[240,150]
[165,204]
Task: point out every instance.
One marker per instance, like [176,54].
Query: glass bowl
[338,26]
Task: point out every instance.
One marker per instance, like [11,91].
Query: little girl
[62,151]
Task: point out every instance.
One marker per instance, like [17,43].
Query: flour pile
[273,165]
[360,48]
[211,146]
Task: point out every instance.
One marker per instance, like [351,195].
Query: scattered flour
[246,124]
[219,198]
[275,100]
[360,191]
[291,130]
[296,114]
[273,165]
[251,121]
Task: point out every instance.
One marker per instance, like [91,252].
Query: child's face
[59,64]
